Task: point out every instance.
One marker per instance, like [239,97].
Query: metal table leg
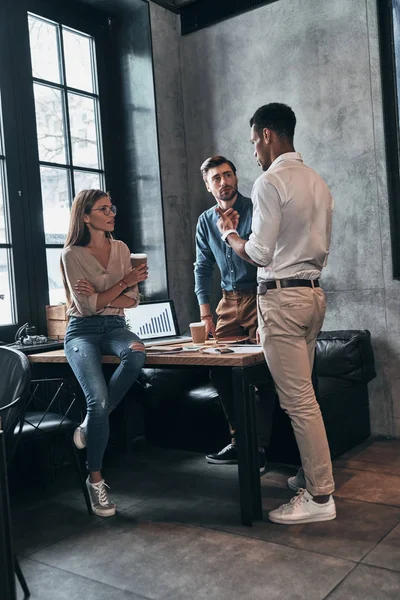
[244,379]
[241,399]
[253,450]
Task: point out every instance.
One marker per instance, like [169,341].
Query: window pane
[87,181]
[50,124]
[78,63]
[55,197]
[83,131]
[3,223]
[56,288]
[5,288]
[44,49]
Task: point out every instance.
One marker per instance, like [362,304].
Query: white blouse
[79,263]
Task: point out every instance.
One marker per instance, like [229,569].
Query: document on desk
[172,349]
[164,349]
[245,349]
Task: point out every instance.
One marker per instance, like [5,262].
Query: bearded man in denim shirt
[237,310]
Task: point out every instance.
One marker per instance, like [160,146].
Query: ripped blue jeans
[86,339]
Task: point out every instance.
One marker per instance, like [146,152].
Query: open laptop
[155,323]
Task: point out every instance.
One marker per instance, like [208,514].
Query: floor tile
[49,583]
[387,552]
[185,507]
[368,583]
[160,459]
[367,486]
[37,528]
[177,535]
[360,465]
[356,530]
[31,496]
[128,489]
[381,451]
[175,562]
[193,501]
[381,456]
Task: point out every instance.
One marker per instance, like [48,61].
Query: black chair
[14,394]
[52,413]
[49,411]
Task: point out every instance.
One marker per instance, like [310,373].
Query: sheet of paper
[164,349]
[247,349]
[259,346]
[172,349]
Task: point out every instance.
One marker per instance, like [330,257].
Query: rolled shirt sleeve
[133,293]
[204,265]
[73,271]
[265,224]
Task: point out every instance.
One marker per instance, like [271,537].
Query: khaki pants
[237,316]
[289,322]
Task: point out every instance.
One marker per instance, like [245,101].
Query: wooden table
[246,371]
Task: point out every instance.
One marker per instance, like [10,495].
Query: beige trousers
[289,322]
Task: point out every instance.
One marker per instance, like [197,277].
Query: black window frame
[13,171]
[65,90]
[390,64]
[21,149]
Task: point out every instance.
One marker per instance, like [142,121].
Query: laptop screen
[152,320]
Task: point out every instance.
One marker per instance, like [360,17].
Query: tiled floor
[177,535]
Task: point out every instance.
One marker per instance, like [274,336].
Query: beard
[228,194]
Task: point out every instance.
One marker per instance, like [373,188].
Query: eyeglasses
[106,210]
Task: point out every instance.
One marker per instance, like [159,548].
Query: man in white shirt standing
[291,228]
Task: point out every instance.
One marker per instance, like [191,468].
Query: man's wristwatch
[226,233]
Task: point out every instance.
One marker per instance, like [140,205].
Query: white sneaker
[303,509]
[101,505]
[79,438]
[298,481]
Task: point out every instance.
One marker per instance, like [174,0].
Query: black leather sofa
[182,409]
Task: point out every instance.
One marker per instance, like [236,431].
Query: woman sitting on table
[99,283]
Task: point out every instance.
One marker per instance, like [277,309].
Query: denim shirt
[236,273]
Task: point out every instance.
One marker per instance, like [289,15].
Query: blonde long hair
[78,232]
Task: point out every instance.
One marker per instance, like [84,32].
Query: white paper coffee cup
[198,332]
[138,259]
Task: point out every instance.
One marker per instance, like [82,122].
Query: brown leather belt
[263,287]
[248,292]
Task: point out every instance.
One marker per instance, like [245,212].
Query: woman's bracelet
[205,316]
[123,283]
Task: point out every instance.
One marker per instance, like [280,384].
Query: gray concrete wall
[321,57]
[176,200]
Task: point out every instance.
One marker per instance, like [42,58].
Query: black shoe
[226,456]
[262,461]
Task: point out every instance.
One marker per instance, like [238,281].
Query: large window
[54,60]
[68,129]
[76,88]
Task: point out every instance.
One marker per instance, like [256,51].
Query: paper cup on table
[198,332]
[138,259]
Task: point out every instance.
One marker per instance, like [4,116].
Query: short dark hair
[277,117]
[215,161]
